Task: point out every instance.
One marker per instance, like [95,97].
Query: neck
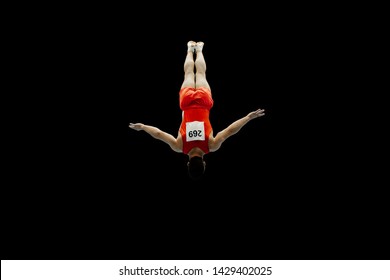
[196,152]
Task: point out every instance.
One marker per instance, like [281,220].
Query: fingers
[136,126]
[258,113]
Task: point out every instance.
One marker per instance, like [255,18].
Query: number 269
[195,133]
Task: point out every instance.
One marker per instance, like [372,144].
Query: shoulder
[178,147]
[214,145]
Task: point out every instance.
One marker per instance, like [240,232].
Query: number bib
[194,131]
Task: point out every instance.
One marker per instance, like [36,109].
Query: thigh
[202,82]
[189,81]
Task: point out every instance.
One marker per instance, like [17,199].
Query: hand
[256,114]
[136,126]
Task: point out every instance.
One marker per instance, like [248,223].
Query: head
[196,167]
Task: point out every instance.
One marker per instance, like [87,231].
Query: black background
[290,185]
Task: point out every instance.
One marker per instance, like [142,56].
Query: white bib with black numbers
[194,131]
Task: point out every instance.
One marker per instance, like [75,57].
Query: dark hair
[196,168]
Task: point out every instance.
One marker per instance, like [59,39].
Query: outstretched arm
[235,127]
[158,134]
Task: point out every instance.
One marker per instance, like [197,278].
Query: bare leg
[189,75]
[200,65]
